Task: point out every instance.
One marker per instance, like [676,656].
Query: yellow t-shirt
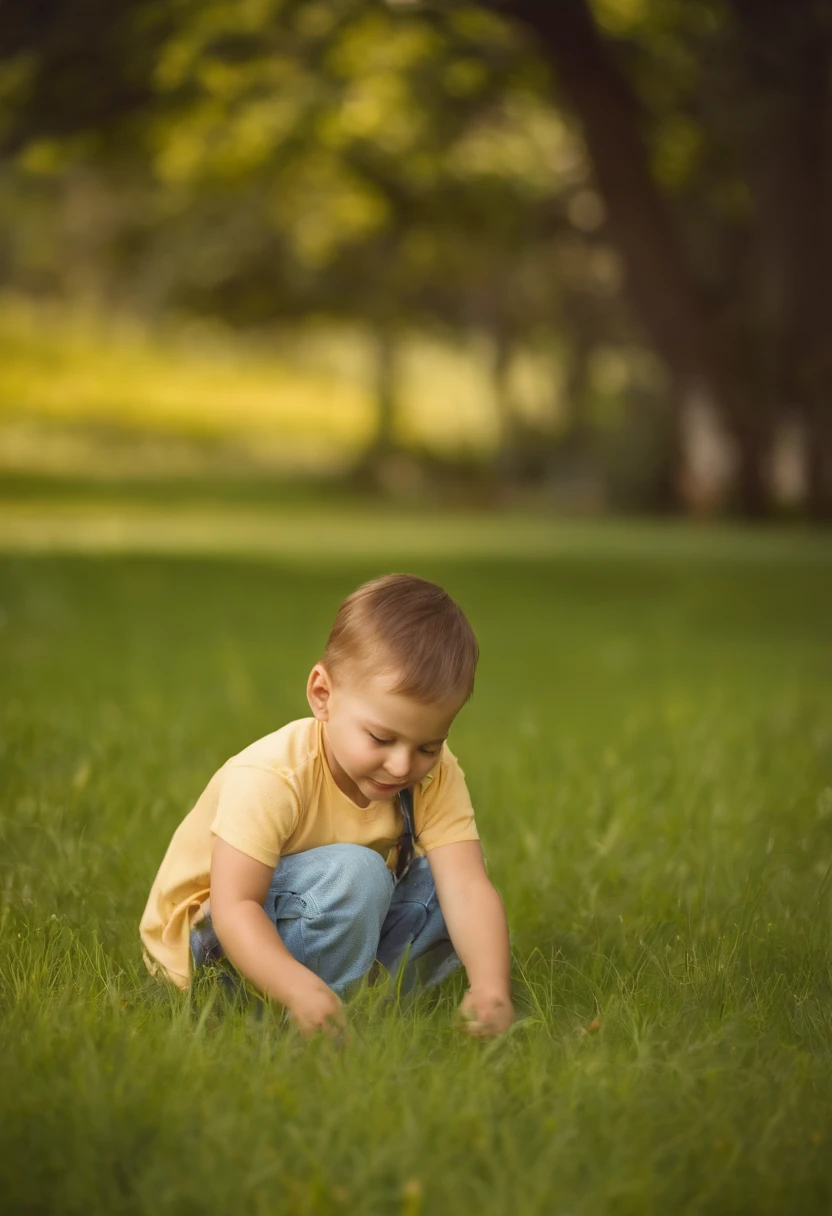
[275,798]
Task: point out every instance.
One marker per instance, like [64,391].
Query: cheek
[350,746]
[362,751]
[423,765]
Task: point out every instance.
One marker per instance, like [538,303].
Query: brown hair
[412,627]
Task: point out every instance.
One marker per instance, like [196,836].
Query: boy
[346,841]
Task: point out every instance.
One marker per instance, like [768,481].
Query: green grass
[650,753]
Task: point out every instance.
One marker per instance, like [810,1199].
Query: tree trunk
[819,467]
[386,392]
[753,445]
[578,421]
[500,370]
[788,61]
[375,468]
[659,280]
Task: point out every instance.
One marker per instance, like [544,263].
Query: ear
[318,691]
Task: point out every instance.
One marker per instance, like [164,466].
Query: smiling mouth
[382,786]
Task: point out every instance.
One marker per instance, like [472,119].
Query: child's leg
[328,905]
[415,920]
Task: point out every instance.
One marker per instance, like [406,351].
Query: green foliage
[415,165]
[343,156]
[649,752]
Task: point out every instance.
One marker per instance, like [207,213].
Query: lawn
[649,749]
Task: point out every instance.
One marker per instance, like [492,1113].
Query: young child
[346,841]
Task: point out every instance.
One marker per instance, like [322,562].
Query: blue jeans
[338,907]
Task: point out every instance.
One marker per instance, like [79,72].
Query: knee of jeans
[337,877]
[354,874]
[329,877]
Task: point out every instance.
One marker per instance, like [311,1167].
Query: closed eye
[427,751]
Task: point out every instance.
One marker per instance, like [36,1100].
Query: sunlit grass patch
[76,382]
[68,364]
[312,526]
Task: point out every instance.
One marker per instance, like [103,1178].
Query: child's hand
[485,1014]
[316,1008]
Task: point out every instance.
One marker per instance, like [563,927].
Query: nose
[397,764]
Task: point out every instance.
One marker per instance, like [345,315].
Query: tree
[787,61]
[786,51]
[260,161]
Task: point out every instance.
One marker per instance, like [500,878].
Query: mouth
[388,789]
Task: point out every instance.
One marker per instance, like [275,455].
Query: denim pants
[338,907]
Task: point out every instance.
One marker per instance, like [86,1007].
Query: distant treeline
[638,190]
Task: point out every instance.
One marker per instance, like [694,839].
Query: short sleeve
[443,810]
[257,812]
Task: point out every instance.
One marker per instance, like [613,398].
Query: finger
[338,1034]
[488,1028]
[335,1025]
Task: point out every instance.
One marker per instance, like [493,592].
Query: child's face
[377,741]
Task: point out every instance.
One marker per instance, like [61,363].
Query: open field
[650,752]
[100,394]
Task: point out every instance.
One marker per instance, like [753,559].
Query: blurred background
[570,256]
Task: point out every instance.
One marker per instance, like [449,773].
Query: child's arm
[476,922]
[239,885]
